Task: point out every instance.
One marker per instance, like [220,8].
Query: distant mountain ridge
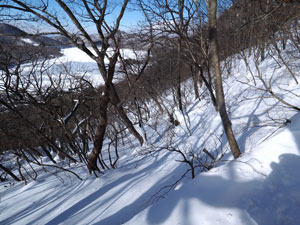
[7,31]
[10,30]
[17,46]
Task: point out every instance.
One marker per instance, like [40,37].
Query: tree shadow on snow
[129,211]
[99,208]
[274,200]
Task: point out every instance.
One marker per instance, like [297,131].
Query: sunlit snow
[261,187]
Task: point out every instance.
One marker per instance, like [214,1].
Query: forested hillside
[190,117]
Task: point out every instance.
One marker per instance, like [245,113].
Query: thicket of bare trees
[40,114]
[77,14]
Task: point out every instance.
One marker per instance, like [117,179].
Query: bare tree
[8,171]
[197,51]
[76,15]
[171,20]
[215,62]
[175,19]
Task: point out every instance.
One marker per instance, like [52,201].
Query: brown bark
[195,82]
[100,132]
[179,70]
[208,85]
[9,172]
[215,62]
[110,96]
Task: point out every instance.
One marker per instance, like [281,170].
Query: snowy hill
[10,30]
[148,187]
[16,45]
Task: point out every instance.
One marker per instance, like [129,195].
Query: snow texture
[261,187]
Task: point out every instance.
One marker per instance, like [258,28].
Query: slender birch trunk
[215,62]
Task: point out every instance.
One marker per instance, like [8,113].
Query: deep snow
[261,187]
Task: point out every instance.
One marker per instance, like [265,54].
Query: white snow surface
[29,41]
[261,187]
[72,65]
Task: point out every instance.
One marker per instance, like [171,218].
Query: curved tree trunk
[215,62]
[100,132]
[110,96]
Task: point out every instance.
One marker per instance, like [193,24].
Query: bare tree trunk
[195,82]
[213,51]
[100,132]
[9,172]
[262,52]
[208,85]
[179,69]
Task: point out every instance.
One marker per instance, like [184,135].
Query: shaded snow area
[261,187]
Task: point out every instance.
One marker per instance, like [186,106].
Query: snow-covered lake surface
[261,187]
[80,63]
[73,64]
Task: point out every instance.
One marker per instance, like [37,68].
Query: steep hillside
[151,184]
[9,32]
[7,29]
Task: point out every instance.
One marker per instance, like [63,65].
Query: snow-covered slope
[261,187]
